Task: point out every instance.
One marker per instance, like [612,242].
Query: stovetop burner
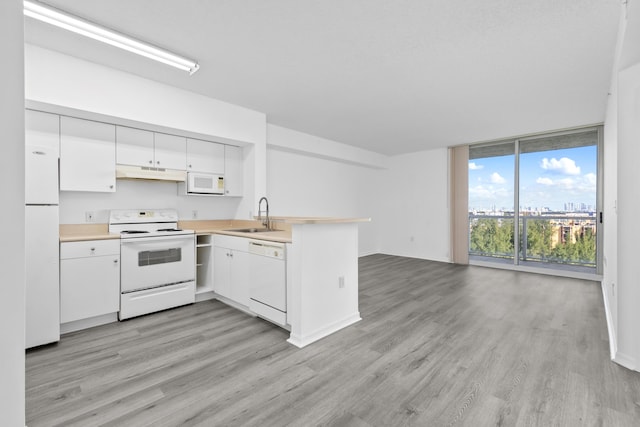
[132,224]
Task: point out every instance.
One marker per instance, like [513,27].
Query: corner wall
[12,287]
[309,176]
[413,201]
[621,287]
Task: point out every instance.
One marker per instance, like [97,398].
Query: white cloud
[497,179]
[544,181]
[590,179]
[491,193]
[565,165]
[474,167]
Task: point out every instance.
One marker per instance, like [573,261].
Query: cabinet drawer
[231,242]
[89,248]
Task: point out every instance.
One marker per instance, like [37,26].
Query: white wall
[622,132]
[12,309]
[140,194]
[314,184]
[414,204]
[610,250]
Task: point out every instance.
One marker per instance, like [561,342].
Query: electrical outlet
[194,214]
[89,216]
[341,282]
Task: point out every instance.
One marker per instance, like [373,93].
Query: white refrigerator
[42,250]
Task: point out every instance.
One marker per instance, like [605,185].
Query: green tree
[539,234]
[492,236]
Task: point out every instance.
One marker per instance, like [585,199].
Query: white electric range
[157,261]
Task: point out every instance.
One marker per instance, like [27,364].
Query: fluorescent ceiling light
[80,26]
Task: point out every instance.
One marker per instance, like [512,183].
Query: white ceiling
[392,76]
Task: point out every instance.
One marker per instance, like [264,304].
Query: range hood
[155,174]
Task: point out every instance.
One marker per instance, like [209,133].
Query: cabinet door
[205,156]
[134,146]
[170,151]
[221,259]
[233,167]
[89,287]
[42,150]
[240,277]
[87,155]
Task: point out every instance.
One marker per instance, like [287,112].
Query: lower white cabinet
[231,268]
[89,279]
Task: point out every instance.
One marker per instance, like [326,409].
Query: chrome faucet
[265,222]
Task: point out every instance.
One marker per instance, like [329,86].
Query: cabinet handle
[150,162]
[93,250]
[231,255]
[111,186]
[115,261]
[158,162]
[190,166]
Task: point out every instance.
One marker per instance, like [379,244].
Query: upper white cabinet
[134,146]
[205,156]
[87,155]
[170,151]
[42,150]
[233,166]
[138,147]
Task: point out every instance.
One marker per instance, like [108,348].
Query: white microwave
[204,183]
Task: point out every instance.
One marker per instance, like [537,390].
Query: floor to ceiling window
[535,201]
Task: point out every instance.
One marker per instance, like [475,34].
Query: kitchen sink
[252,230]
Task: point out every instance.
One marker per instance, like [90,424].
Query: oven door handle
[156,239]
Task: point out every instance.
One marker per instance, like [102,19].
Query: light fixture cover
[80,26]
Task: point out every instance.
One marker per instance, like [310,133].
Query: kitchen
[58,79]
[154,267]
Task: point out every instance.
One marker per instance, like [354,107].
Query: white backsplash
[139,194]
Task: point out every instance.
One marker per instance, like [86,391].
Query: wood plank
[439,344]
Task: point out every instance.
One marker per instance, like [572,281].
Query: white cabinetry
[89,279]
[205,156]
[231,268]
[134,146]
[170,151]
[137,147]
[87,155]
[233,165]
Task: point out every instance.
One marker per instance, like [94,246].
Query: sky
[547,179]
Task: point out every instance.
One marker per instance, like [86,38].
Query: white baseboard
[301,341]
[367,253]
[78,325]
[204,296]
[613,341]
[626,361]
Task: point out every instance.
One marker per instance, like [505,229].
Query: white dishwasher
[267,281]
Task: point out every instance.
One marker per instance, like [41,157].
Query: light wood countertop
[82,232]
[315,220]
[282,234]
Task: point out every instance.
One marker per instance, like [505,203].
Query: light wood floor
[439,345]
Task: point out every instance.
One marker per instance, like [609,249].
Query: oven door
[149,262]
